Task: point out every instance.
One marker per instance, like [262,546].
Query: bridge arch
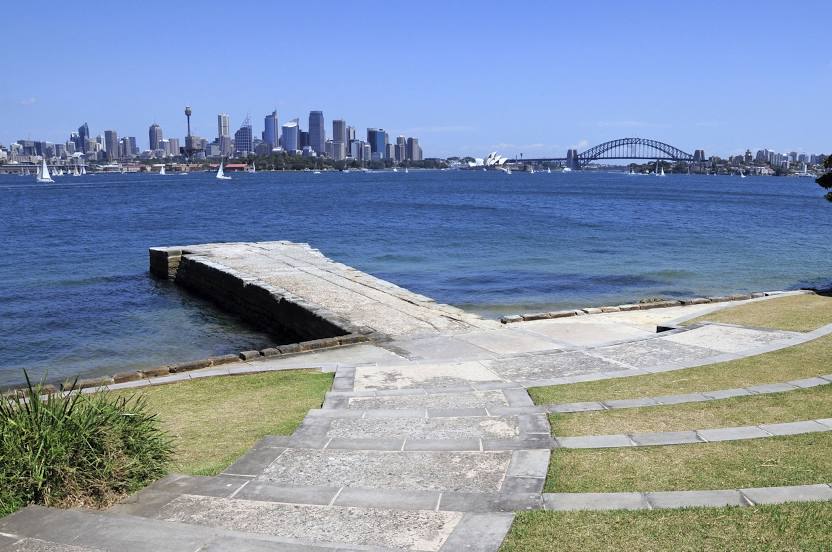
[633,148]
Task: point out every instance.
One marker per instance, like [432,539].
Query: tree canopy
[825,180]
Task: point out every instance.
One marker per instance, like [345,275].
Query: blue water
[75,296]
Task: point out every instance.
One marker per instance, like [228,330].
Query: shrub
[76,450]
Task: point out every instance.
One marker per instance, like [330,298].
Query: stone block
[797,493]
[316,344]
[629,307]
[156,372]
[719,298]
[249,355]
[511,319]
[289,348]
[124,377]
[594,501]
[270,352]
[536,316]
[741,297]
[191,365]
[696,301]
[592,310]
[562,314]
[350,339]
[758,294]
[88,383]
[610,309]
[224,359]
[686,499]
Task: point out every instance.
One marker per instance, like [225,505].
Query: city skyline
[723,80]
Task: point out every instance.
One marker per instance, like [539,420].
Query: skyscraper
[223,125]
[339,131]
[413,150]
[155,134]
[377,139]
[317,132]
[289,137]
[111,144]
[270,129]
[243,139]
[83,136]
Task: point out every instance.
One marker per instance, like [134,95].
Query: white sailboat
[742,175]
[75,171]
[221,174]
[43,173]
[83,170]
[162,171]
[406,171]
[661,173]
[531,170]
[548,170]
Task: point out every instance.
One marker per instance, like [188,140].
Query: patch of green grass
[213,421]
[801,361]
[775,461]
[79,450]
[798,313]
[790,406]
[782,527]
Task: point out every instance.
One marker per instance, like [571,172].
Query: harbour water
[76,298]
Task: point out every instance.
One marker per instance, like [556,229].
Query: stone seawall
[266,307]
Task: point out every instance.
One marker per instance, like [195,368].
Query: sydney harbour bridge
[620,149]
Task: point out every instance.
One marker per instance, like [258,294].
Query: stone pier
[292,288]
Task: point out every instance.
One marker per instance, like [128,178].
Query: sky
[464,77]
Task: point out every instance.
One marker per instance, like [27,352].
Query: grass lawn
[775,461]
[801,361]
[799,313]
[791,406]
[783,527]
[215,420]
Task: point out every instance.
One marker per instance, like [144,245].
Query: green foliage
[66,450]
[825,180]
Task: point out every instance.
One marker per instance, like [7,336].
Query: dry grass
[791,406]
[801,361]
[784,527]
[798,313]
[792,460]
[213,421]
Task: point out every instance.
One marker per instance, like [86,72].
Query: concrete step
[187,523]
[434,429]
[39,529]
[426,399]
[152,498]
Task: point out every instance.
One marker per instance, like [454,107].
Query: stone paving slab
[779,495]
[653,353]
[441,471]
[594,501]
[479,533]
[396,529]
[508,340]
[731,339]
[532,368]
[577,332]
[422,376]
[472,399]
[687,499]
[37,545]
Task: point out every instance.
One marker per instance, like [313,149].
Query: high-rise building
[223,125]
[270,129]
[133,147]
[338,150]
[339,131]
[111,144]
[350,134]
[303,138]
[83,136]
[243,139]
[400,151]
[155,135]
[413,151]
[317,132]
[390,151]
[289,136]
[377,139]
[173,146]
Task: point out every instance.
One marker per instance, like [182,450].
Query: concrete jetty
[245,276]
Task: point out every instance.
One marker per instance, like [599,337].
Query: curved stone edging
[511,319]
[696,436]
[705,396]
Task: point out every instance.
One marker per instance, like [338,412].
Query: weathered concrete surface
[303,275]
[395,529]
[443,471]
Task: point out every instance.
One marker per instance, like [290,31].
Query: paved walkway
[426,442]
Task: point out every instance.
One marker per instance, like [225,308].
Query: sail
[162,171]
[83,170]
[43,173]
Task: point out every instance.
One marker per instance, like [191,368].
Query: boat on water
[162,171]
[83,170]
[252,169]
[43,173]
[406,171]
[221,173]
[316,172]
[742,175]
[75,171]
[395,169]
[566,169]
[548,170]
[531,170]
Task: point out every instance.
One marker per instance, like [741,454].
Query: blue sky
[465,77]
